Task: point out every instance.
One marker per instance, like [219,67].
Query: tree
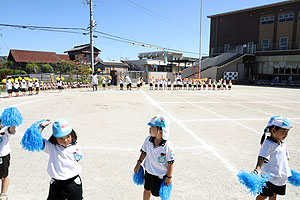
[6,65]
[32,68]
[83,71]
[64,67]
[47,68]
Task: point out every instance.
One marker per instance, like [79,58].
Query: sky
[173,24]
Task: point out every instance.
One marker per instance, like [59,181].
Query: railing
[293,45]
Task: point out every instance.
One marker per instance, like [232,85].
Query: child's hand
[46,123]
[168,181]
[136,168]
[12,128]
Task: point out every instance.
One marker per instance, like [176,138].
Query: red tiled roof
[37,56]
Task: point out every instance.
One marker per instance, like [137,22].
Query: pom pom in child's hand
[139,178]
[294,179]
[252,181]
[32,139]
[11,116]
[165,190]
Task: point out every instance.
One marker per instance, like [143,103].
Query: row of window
[287,17]
[286,71]
[269,68]
[283,44]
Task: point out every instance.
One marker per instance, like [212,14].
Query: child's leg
[273,197]
[4,186]
[147,194]
[74,189]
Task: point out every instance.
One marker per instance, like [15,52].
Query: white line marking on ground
[207,147]
[135,149]
[222,116]
[215,120]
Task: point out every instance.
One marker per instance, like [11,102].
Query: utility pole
[92,24]
[200,56]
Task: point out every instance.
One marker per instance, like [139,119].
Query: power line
[111,37]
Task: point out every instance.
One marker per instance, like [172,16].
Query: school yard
[215,134]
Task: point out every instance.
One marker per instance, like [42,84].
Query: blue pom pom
[32,139]
[165,190]
[138,178]
[11,116]
[294,179]
[252,181]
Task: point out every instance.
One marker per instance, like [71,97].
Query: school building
[259,43]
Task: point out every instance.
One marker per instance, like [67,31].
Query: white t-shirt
[29,84]
[23,85]
[37,84]
[94,80]
[63,161]
[9,86]
[156,161]
[277,156]
[4,141]
[128,80]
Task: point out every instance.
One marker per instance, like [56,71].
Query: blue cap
[61,128]
[157,121]
[279,121]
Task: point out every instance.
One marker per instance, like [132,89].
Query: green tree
[46,68]
[32,68]
[64,67]
[6,65]
[83,71]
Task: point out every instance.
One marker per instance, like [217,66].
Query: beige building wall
[266,31]
[285,29]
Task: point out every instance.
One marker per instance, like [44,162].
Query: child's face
[280,134]
[64,141]
[154,131]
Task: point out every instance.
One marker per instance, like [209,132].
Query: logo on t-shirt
[162,158]
[77,156]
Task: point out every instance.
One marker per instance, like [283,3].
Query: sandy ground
[215,134]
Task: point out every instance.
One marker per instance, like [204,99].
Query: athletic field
[215,134]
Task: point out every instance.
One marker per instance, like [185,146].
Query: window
[267,20]
[284,43]
[265,44]
[299,15]
[226,48]
[286,17]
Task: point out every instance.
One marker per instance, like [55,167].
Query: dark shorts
[151,84]
[60,87]
[4,166]
[30,89]
[37,89]
[23,90]
[128,85]
[271,189]
[9,91]
[16,89]
[138,85]
[152,183]
[160,85]
[121,85]
[103,85]
[66,189]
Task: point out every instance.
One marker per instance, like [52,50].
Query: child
[37,86]
[156,84]
[63,167]
[16,87]
[159,156]
[165,83]
[9,86]
[229,85]
[150,83]
[94,82]
[5,133]
[103,82]
[121,82]
[30,84]
[128,82]
[160,84]
[169,84]
[273,158]
[23,87]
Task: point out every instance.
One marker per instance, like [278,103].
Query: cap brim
[150,124]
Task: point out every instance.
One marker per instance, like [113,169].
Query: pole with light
[200,56]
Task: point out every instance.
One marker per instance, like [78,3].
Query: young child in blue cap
[158,155]
[5,133]
[63,167]
[273,158]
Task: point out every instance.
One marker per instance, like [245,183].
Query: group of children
[188,84]
[157,156]
[22,85]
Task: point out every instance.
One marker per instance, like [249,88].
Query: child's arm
[169,174]
[139,162]
[259,164]
[12,129]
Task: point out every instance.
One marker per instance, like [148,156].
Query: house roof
[81,47]
[254,8]
[37,56]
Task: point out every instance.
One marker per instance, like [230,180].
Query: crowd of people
[188,83]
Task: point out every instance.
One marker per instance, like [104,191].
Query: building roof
[254,8]
[37,56]
[158,53]
[81,47]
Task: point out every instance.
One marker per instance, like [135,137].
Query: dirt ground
[215,134]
